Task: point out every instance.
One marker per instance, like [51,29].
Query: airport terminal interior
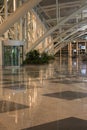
[50,96]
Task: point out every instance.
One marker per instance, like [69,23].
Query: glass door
[11,56]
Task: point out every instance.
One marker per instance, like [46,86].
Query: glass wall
[13,55]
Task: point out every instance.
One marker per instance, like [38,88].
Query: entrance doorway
[13,55]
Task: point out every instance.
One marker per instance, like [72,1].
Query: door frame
[16,44]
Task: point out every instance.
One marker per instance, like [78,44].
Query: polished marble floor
[45,97]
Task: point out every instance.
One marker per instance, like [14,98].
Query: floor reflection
[72,66]
[35,95]
[65,124]
[6,106]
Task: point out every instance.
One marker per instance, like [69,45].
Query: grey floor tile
[68,95]
[65,124]
[7,106]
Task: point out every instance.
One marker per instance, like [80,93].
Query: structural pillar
[77,65]
[70,49]
[6,15]
[57,11]
[15,25]
[70,65]
[60,52]
[1,54]
[77,48]
[85,47]
[60,60]
[21,28]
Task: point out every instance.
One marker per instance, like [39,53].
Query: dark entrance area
[13,55]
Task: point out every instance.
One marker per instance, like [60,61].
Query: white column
[14,5]
[60,52]
[57,11]
[15,26]
[70,49]
[1,54]
[77,65]
[70,65]
[21,28]
[6,15]
[77,48]
[5,8]
[85,47]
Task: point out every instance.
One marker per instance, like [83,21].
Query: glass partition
[13,55]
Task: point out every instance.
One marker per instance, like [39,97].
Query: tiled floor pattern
[65,124]
[7,106]
[68,95]
[46,97]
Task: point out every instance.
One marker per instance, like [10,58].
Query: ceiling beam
[20,12]
[57,26]
[63,5]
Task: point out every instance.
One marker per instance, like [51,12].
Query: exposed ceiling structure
[54,11]
[65,19]
[68,17]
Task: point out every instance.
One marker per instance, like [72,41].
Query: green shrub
[44,57]
[34,57]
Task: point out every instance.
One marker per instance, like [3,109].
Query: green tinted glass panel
[11,55]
